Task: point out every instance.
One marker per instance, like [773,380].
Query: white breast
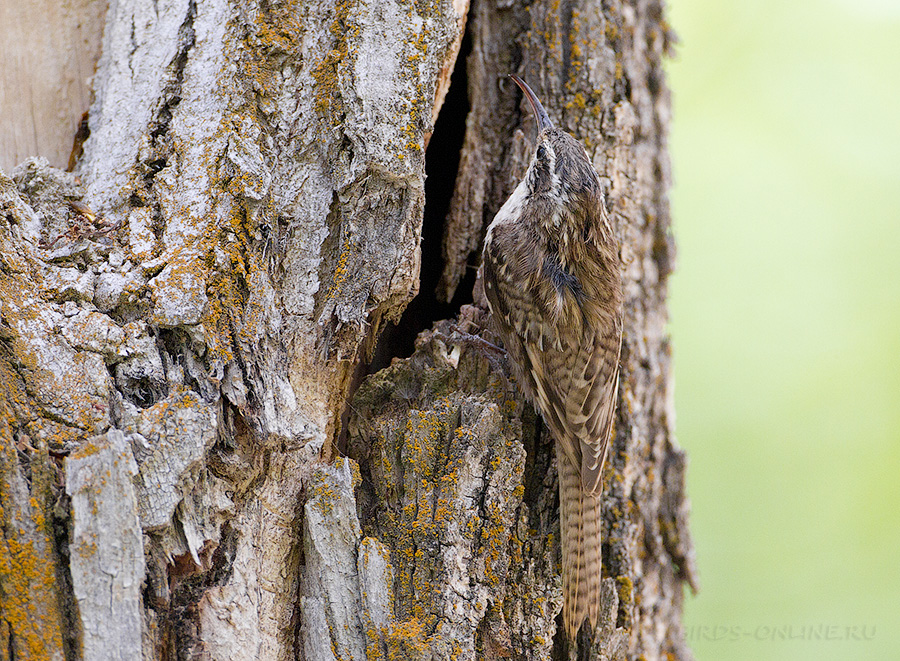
[510,210]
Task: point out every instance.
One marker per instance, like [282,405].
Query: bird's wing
[591,401]
[577,393]
[509,287]
[512,309]
[568,364]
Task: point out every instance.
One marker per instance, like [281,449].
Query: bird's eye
[542,153]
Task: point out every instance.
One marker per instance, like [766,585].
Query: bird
[552,279]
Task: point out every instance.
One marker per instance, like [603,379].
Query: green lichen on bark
[439,438]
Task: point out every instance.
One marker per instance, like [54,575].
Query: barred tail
[580,524]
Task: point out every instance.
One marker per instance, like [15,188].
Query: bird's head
[559,167]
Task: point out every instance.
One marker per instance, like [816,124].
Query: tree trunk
[210,448]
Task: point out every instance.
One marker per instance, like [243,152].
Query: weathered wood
[257,174]
[599,71]
[49,50]
[106,550]
[445,483]
[254,191]
[32,581]
[347,580]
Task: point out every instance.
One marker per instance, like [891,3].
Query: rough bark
[180,356]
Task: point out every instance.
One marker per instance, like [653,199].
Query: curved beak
[543,120]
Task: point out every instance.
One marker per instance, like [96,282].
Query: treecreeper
[552,278]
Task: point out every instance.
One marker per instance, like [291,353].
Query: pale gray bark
[106,550]
[181,360]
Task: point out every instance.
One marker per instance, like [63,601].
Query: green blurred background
[786,321]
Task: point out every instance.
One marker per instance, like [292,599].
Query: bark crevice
[258,172]
[442,162]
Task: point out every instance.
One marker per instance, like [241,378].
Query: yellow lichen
[28,602]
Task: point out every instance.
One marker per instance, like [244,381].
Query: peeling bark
[106,551]
[184,359]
